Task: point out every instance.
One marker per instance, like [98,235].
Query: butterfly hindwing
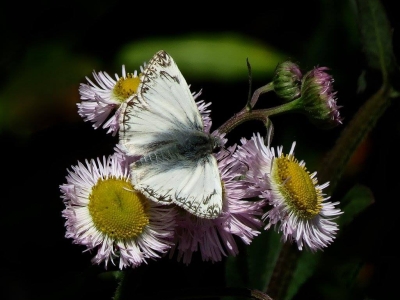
[194,186]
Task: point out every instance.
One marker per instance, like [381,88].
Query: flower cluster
[261,187]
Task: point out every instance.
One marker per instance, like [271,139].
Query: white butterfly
[162,125]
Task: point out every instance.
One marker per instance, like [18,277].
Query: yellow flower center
[126,87]
[117,210]
[297,187]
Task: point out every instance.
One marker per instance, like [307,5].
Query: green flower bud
[287,81]
[318,98]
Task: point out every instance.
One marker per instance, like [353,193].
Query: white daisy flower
[105,95]
[104,213]
[299,207]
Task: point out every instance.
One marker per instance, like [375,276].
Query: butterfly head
[217,142]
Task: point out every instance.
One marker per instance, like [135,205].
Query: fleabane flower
[318,98]
[104,213]
[104,96]
[214,238]
[298,207]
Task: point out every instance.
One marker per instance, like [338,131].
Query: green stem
[259,114]
[120,276]
[257,93]
[352,135]
[283,271]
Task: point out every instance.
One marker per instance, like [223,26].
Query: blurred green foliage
[42,89]
[204,56]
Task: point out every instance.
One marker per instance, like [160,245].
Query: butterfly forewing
[164,86]
[156,125]
[163,104]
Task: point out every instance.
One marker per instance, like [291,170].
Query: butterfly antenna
[248,105]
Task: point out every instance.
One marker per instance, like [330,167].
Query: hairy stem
[283,271]
[259,114]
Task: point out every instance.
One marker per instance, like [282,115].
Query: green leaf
[306,266]
[253,267]
[262,256]
[220,56]
[354,202]
[376,36]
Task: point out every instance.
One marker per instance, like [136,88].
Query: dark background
[42,135]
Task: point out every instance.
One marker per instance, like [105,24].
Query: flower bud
[287,81]
[318,98]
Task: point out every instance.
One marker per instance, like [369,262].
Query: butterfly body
[163,127]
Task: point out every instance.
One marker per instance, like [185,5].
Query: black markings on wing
[163,84]
[186,184]
[166,75]
[152,194]
[127,114]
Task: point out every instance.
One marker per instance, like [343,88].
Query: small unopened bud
[287,81]
[318,98]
